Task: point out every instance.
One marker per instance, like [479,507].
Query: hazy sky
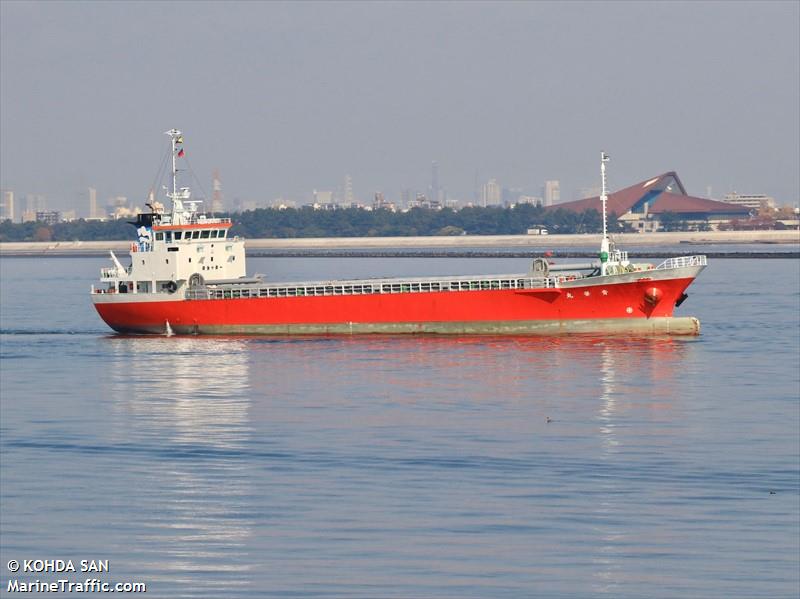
[287,97]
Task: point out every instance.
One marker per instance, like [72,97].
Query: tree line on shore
[348,222]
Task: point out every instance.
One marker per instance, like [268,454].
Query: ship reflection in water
[186,401]
[636,387]
[265,451]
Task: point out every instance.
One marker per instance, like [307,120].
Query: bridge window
[204,234]
[159,237]
[178,235]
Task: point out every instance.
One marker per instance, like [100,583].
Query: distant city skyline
[492,193]
[404,98]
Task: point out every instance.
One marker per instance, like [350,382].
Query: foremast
[605,245]
[612,261]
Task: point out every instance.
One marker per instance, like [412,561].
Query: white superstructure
[176,249]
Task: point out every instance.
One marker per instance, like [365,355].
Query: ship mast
[605,245]
[175,139]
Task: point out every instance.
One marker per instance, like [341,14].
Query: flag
[180,153]
[179,140]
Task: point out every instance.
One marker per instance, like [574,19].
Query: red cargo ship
[187,276]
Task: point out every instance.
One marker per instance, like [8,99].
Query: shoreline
[357,246]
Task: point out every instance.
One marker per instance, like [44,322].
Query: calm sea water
[406,467]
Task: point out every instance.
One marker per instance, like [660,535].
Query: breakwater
[757,242]
[498,253]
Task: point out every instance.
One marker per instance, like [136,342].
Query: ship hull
[596,305]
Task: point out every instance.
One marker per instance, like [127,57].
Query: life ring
[172,287]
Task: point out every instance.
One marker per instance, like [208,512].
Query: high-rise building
[217,205]
[551,193]
[492,193]
[35,203]
[405,198]
[93,203]
[349,199]
[323,198]
[7,206]
[435,189]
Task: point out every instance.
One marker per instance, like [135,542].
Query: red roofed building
[645,205]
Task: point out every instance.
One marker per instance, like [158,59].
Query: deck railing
[682,262]
[618,256]
[369,287]
[112,272]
